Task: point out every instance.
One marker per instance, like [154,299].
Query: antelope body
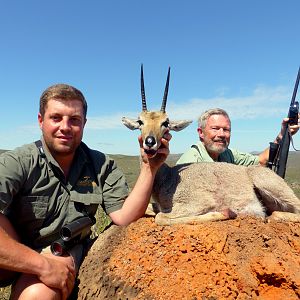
[209,191]
[218,191]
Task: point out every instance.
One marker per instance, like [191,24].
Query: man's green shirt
[229,155]
[38,200]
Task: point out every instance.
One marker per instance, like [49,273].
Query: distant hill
[293,171]
[130,165]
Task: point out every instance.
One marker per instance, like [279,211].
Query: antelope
[200,192]
[213,191]
[154,124]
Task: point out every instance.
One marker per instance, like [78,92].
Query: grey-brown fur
[212,191]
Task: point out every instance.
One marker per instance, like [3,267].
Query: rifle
[72,234]
[278,154]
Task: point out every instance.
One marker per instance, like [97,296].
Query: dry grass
[4,293]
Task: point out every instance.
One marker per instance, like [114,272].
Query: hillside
[130,165]
[293,172]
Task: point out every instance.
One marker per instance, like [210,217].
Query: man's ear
[131,123]
[179,125]
[200,132]
[85,120]
[40,120]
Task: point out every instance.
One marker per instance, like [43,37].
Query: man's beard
[58,149]
[211,146]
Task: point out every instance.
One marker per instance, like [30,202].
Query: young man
[48,184]
[214,129]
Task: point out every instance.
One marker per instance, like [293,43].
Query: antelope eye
[140,122]
[165,124]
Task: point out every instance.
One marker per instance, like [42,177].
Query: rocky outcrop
[245,258]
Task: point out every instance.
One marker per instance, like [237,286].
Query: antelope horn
[164,102]
[143,90]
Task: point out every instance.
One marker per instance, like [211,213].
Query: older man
[214,129]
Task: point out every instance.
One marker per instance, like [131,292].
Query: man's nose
[221,132]
[65,124]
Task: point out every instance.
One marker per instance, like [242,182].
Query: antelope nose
[150,141]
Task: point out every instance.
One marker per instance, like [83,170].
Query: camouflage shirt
[38,200]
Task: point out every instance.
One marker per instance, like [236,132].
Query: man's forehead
[218,120]
[57,102]
[62,104]
[67,101]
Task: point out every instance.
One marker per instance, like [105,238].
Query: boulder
[244,258]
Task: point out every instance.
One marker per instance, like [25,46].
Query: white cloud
[104,122]
[264,101]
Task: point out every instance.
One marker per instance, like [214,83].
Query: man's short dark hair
[62,92]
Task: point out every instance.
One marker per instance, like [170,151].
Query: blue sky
[242,56]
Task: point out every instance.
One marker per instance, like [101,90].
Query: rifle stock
[279,153]
[283,153]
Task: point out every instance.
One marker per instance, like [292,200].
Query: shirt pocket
[30,213]
[82,204]
[113,177]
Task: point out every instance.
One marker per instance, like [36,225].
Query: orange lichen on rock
[244,258]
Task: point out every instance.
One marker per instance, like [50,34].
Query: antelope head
[154,124]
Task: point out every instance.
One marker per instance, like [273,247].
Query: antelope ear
[179,125]
[131,123]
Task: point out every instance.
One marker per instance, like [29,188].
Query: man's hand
[293,128]
[162,152]
[60,274]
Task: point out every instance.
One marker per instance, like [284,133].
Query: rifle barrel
[283,150]
[296,87]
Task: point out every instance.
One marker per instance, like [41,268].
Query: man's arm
[17,257]
[264,156]
[136,203]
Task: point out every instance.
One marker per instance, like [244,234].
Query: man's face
[216,134]
[62,126]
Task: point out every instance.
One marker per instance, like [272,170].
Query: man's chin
[64,150]
[218,149]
